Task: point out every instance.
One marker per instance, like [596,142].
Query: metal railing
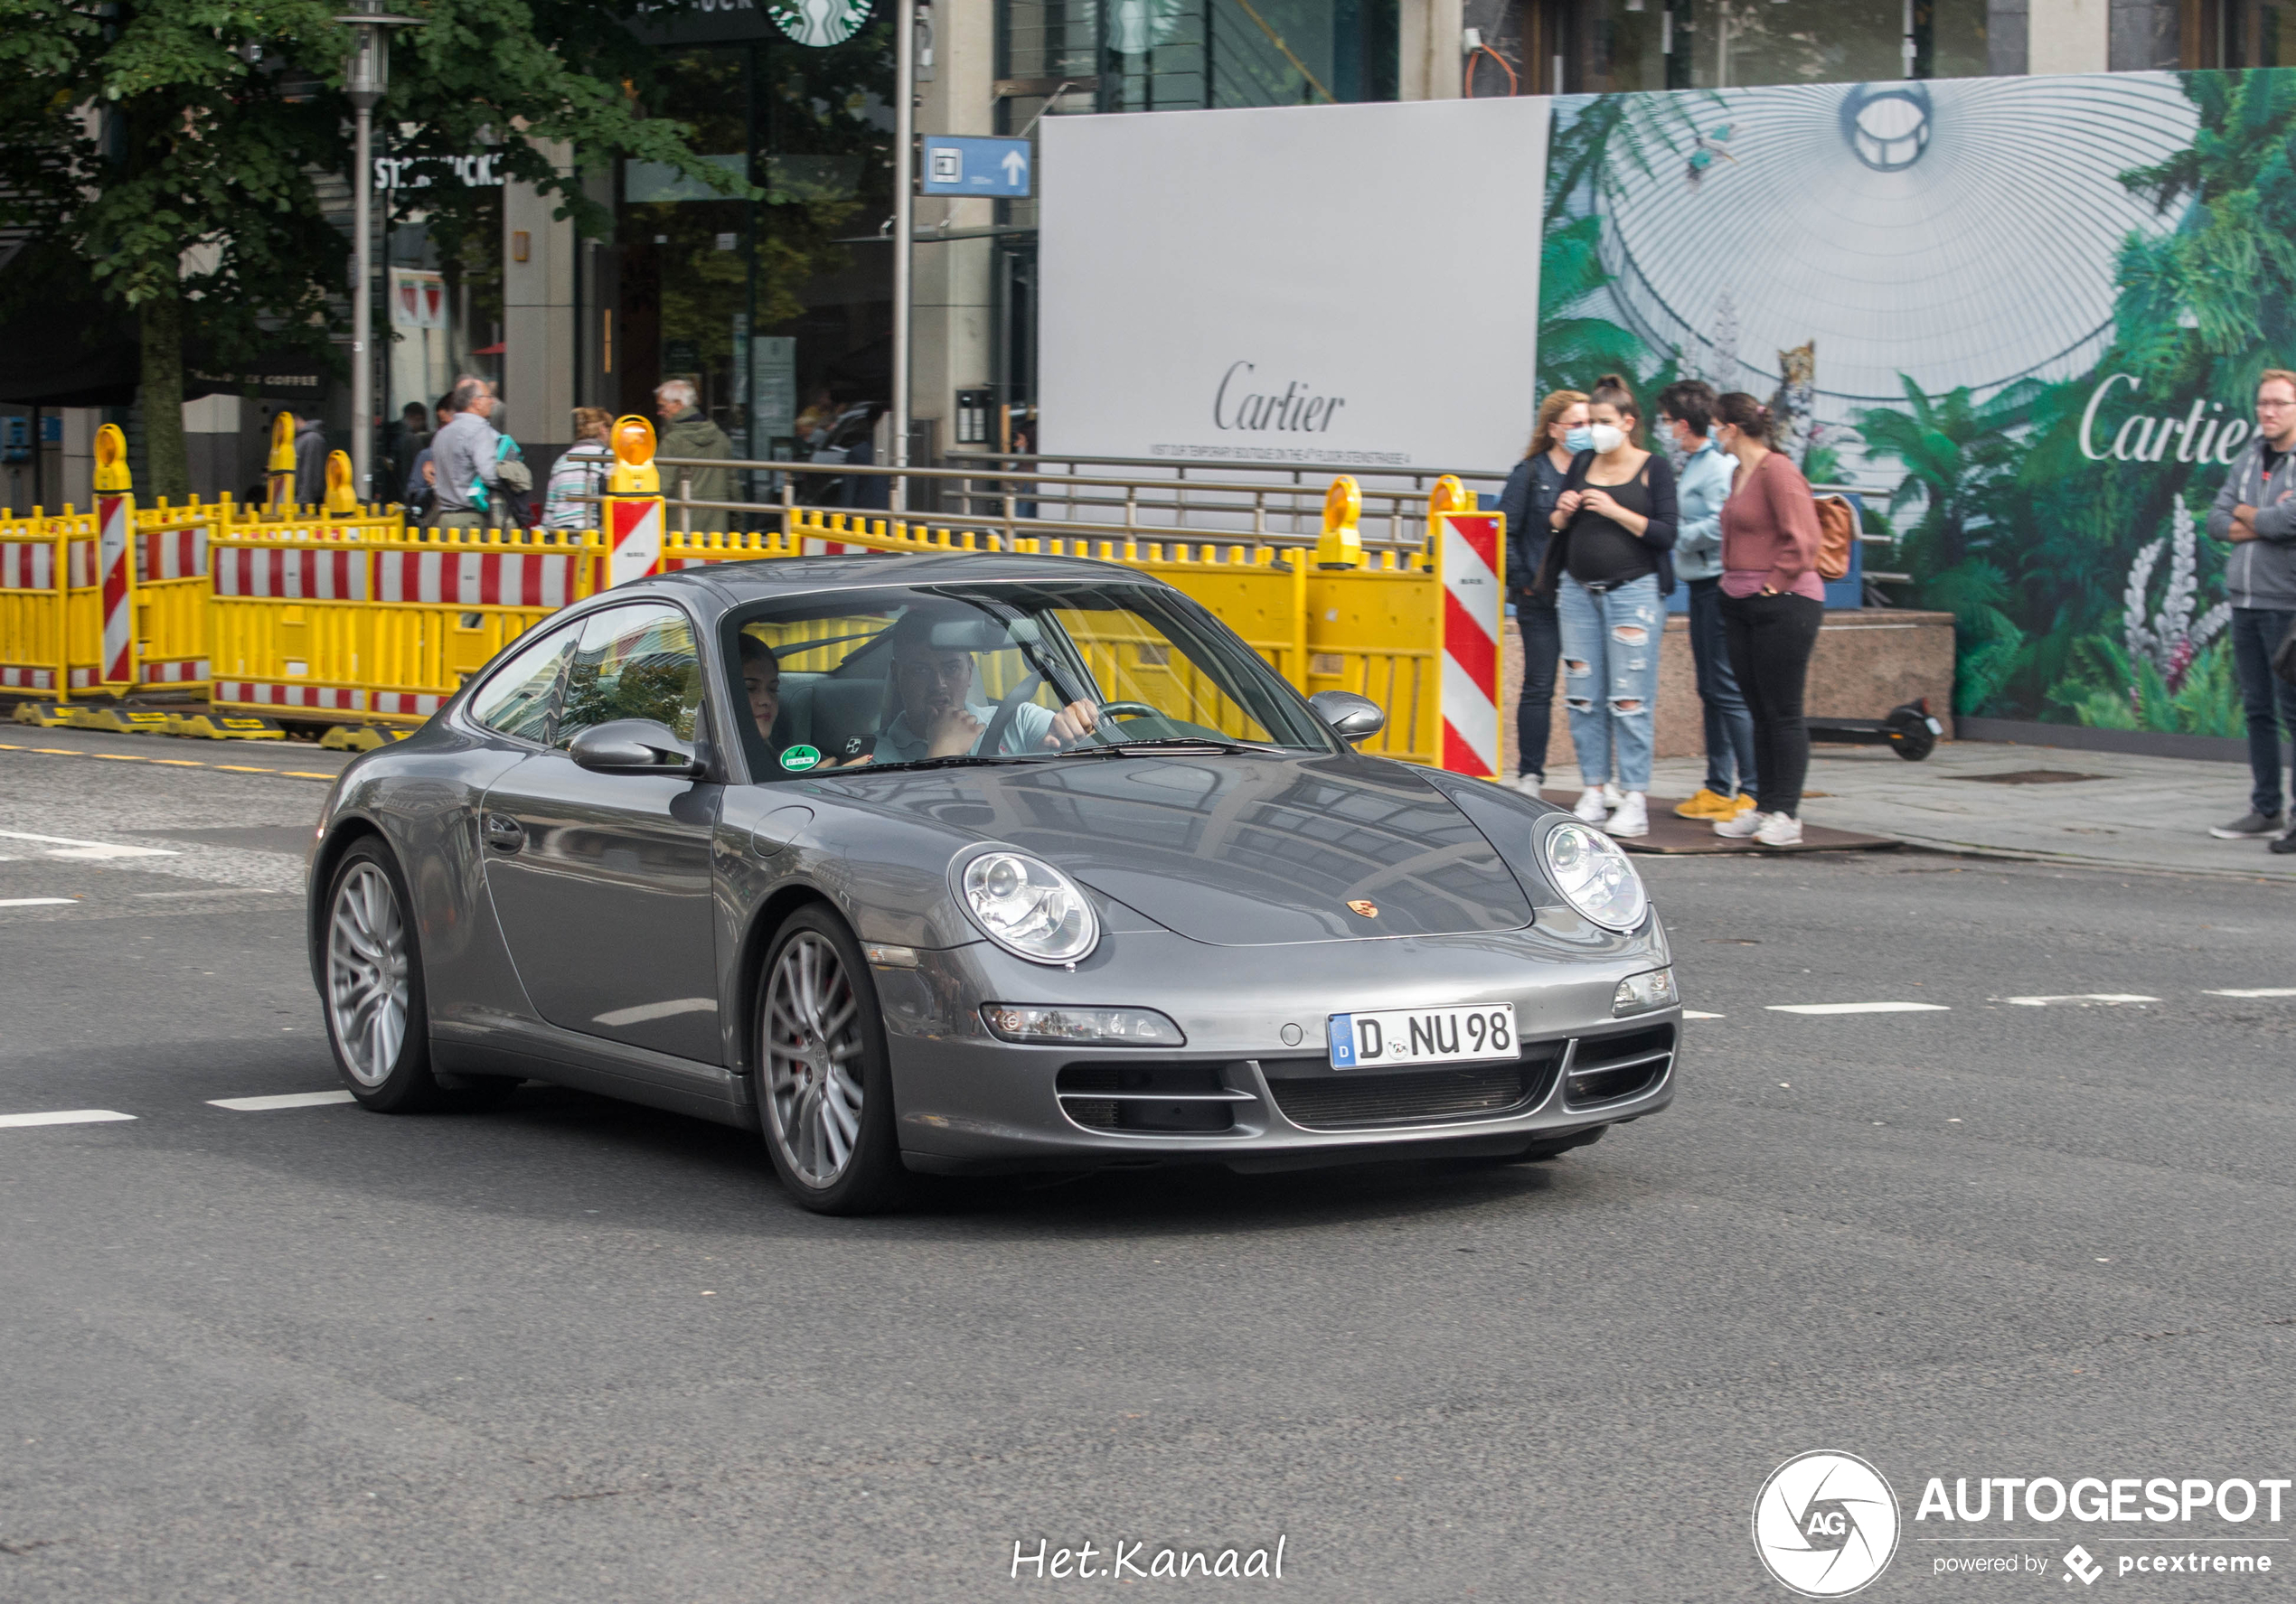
[1193,512]
[1169,506]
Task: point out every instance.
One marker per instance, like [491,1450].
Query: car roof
[765,577]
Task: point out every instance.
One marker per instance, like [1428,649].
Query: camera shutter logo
[1825,1525]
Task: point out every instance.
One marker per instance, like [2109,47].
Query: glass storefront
[1680,44]
[2245,33]
[778,311]
[1164,55]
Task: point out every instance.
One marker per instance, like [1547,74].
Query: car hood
[1249,850]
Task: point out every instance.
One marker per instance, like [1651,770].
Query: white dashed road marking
[60,846]
[2259,991]
[2108,998]
[1694,1014]
[1858,1008]
[70,1116]
[37,902]
[256,1105]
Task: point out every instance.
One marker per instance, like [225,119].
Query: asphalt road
[580,1351]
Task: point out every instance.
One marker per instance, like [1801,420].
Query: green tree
[170,152]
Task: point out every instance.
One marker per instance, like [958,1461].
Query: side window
[633,662]
[515,700]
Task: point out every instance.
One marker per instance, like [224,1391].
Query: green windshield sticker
[799,759]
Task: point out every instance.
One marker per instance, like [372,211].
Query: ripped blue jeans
[1610,676]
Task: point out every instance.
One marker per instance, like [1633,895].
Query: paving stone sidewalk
[2128,812]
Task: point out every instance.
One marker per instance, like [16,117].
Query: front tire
[378,1022]
[824,1075]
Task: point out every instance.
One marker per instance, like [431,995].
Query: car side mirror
[635,746]
[1355,719]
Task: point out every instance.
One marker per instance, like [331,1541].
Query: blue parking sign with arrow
[955,165]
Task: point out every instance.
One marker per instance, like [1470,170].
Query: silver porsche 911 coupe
[968,863]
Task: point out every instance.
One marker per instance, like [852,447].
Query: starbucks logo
[819,22]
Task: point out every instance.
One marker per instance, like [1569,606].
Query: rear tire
[378,1022]
[825,1075]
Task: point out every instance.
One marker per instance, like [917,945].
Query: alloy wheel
[813,1053]
[367,971]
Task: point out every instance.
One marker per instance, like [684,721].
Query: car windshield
[1008,672]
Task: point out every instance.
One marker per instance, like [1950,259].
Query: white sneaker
[1632,818]
[1531,785]
[1779,829]
[1591,807]
[1612,797]
[1741,826]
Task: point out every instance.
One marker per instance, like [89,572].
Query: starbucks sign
[819,22]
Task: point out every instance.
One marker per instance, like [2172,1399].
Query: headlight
[1124,1027]
[1643,993]
[1588,868]
[1028,908]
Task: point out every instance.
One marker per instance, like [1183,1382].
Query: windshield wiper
[1201,742]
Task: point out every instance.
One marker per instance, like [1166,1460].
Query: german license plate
[1401,1038]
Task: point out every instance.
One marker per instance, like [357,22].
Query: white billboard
[1336,284]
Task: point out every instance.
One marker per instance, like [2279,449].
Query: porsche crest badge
[1370,910]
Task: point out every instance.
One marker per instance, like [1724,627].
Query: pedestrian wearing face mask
[1686,413]
[1773,603]
[1609,568]
[1528,502]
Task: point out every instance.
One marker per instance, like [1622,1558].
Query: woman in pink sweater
[1773,603]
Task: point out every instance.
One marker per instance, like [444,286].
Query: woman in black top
[1609,571]
[1528,501]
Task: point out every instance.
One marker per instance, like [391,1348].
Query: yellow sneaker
[1745,804]
[1704,805]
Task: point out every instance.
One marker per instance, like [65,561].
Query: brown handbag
[1836,531]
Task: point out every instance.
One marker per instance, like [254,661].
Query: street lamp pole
[904,227]
[365,76]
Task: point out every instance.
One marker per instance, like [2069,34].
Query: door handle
[504,831]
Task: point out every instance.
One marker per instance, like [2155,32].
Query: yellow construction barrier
[38,556]
[328,619]
[340,610]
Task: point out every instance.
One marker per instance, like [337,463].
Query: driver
[931,683]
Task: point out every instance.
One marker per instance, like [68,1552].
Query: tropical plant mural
[2060,518]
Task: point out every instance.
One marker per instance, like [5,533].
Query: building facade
[779,309]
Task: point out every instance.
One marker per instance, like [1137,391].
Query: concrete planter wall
[1866,664]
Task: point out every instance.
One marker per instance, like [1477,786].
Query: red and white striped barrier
[455,577]
[634,533]
[188,671]
[26,565]
[114,543]
[171,554]
[315,574]
[1469,558]
[16,679]
[409,703]
[332,698]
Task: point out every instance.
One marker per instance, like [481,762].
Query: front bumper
[1238,1092]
